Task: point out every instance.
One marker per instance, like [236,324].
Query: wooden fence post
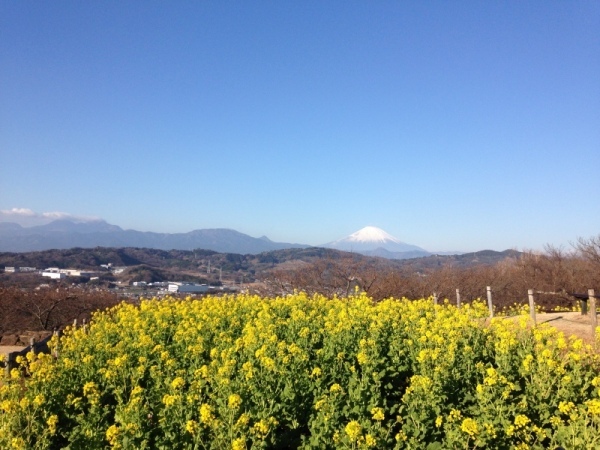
[489,299]
[55,333]
[458,298]
[531,306]
[8,362]
[435,298]
[592,299]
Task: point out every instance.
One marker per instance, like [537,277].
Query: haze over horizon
[452,126]
[369,234]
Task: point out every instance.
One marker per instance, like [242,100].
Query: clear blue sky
[451,125]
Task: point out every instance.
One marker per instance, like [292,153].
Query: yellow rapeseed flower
[353,430]
[469,426]
[362,358]
[206,414]
[243,420]
[178,383]
[593,406]
[370,441]
[191,426]
[234,401]
[521,420]
[566,407]
[238,444]
[377,414]
[39,399]
[169,400]
[335,387]
[112,434]
[263,427]
[52,422]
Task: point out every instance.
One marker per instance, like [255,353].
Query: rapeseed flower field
[245,372]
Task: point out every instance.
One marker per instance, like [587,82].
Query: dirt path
[570,323]
[6,349]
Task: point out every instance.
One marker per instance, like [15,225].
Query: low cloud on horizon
[29,218]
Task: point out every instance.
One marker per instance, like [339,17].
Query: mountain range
[65,234]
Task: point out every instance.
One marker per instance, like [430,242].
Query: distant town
[88,277]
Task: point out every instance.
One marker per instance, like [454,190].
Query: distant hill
[92,258]
[65,234]
[208,263]
[464,260]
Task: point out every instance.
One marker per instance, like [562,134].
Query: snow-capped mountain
[374,241]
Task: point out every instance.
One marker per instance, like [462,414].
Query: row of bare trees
[48,308]
[556,273]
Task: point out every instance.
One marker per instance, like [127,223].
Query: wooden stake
[55,333]
[531,306]
[489,299]
[593,316]
[458,298]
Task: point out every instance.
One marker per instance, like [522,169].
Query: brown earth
[570,323]
[6,349]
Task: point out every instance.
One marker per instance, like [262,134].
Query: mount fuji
[373,241]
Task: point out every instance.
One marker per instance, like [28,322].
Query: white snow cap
[371,239]
[372,234]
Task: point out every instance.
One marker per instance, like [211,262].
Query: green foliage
[245,372]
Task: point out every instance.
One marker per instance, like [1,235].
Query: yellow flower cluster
[353,430]
[234,401]
[469,426]
[249,372]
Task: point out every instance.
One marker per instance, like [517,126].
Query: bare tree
[555,273]
[48,308]
[590,249]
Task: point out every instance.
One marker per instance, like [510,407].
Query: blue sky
[451,125]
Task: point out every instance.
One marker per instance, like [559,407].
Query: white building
[78,272]
[8,269]
[67,272]
[54,274]
[187,288]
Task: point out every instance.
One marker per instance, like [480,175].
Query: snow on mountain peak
[372,234]
[374,241]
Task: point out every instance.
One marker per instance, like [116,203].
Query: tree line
[49,308]
[558,275]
